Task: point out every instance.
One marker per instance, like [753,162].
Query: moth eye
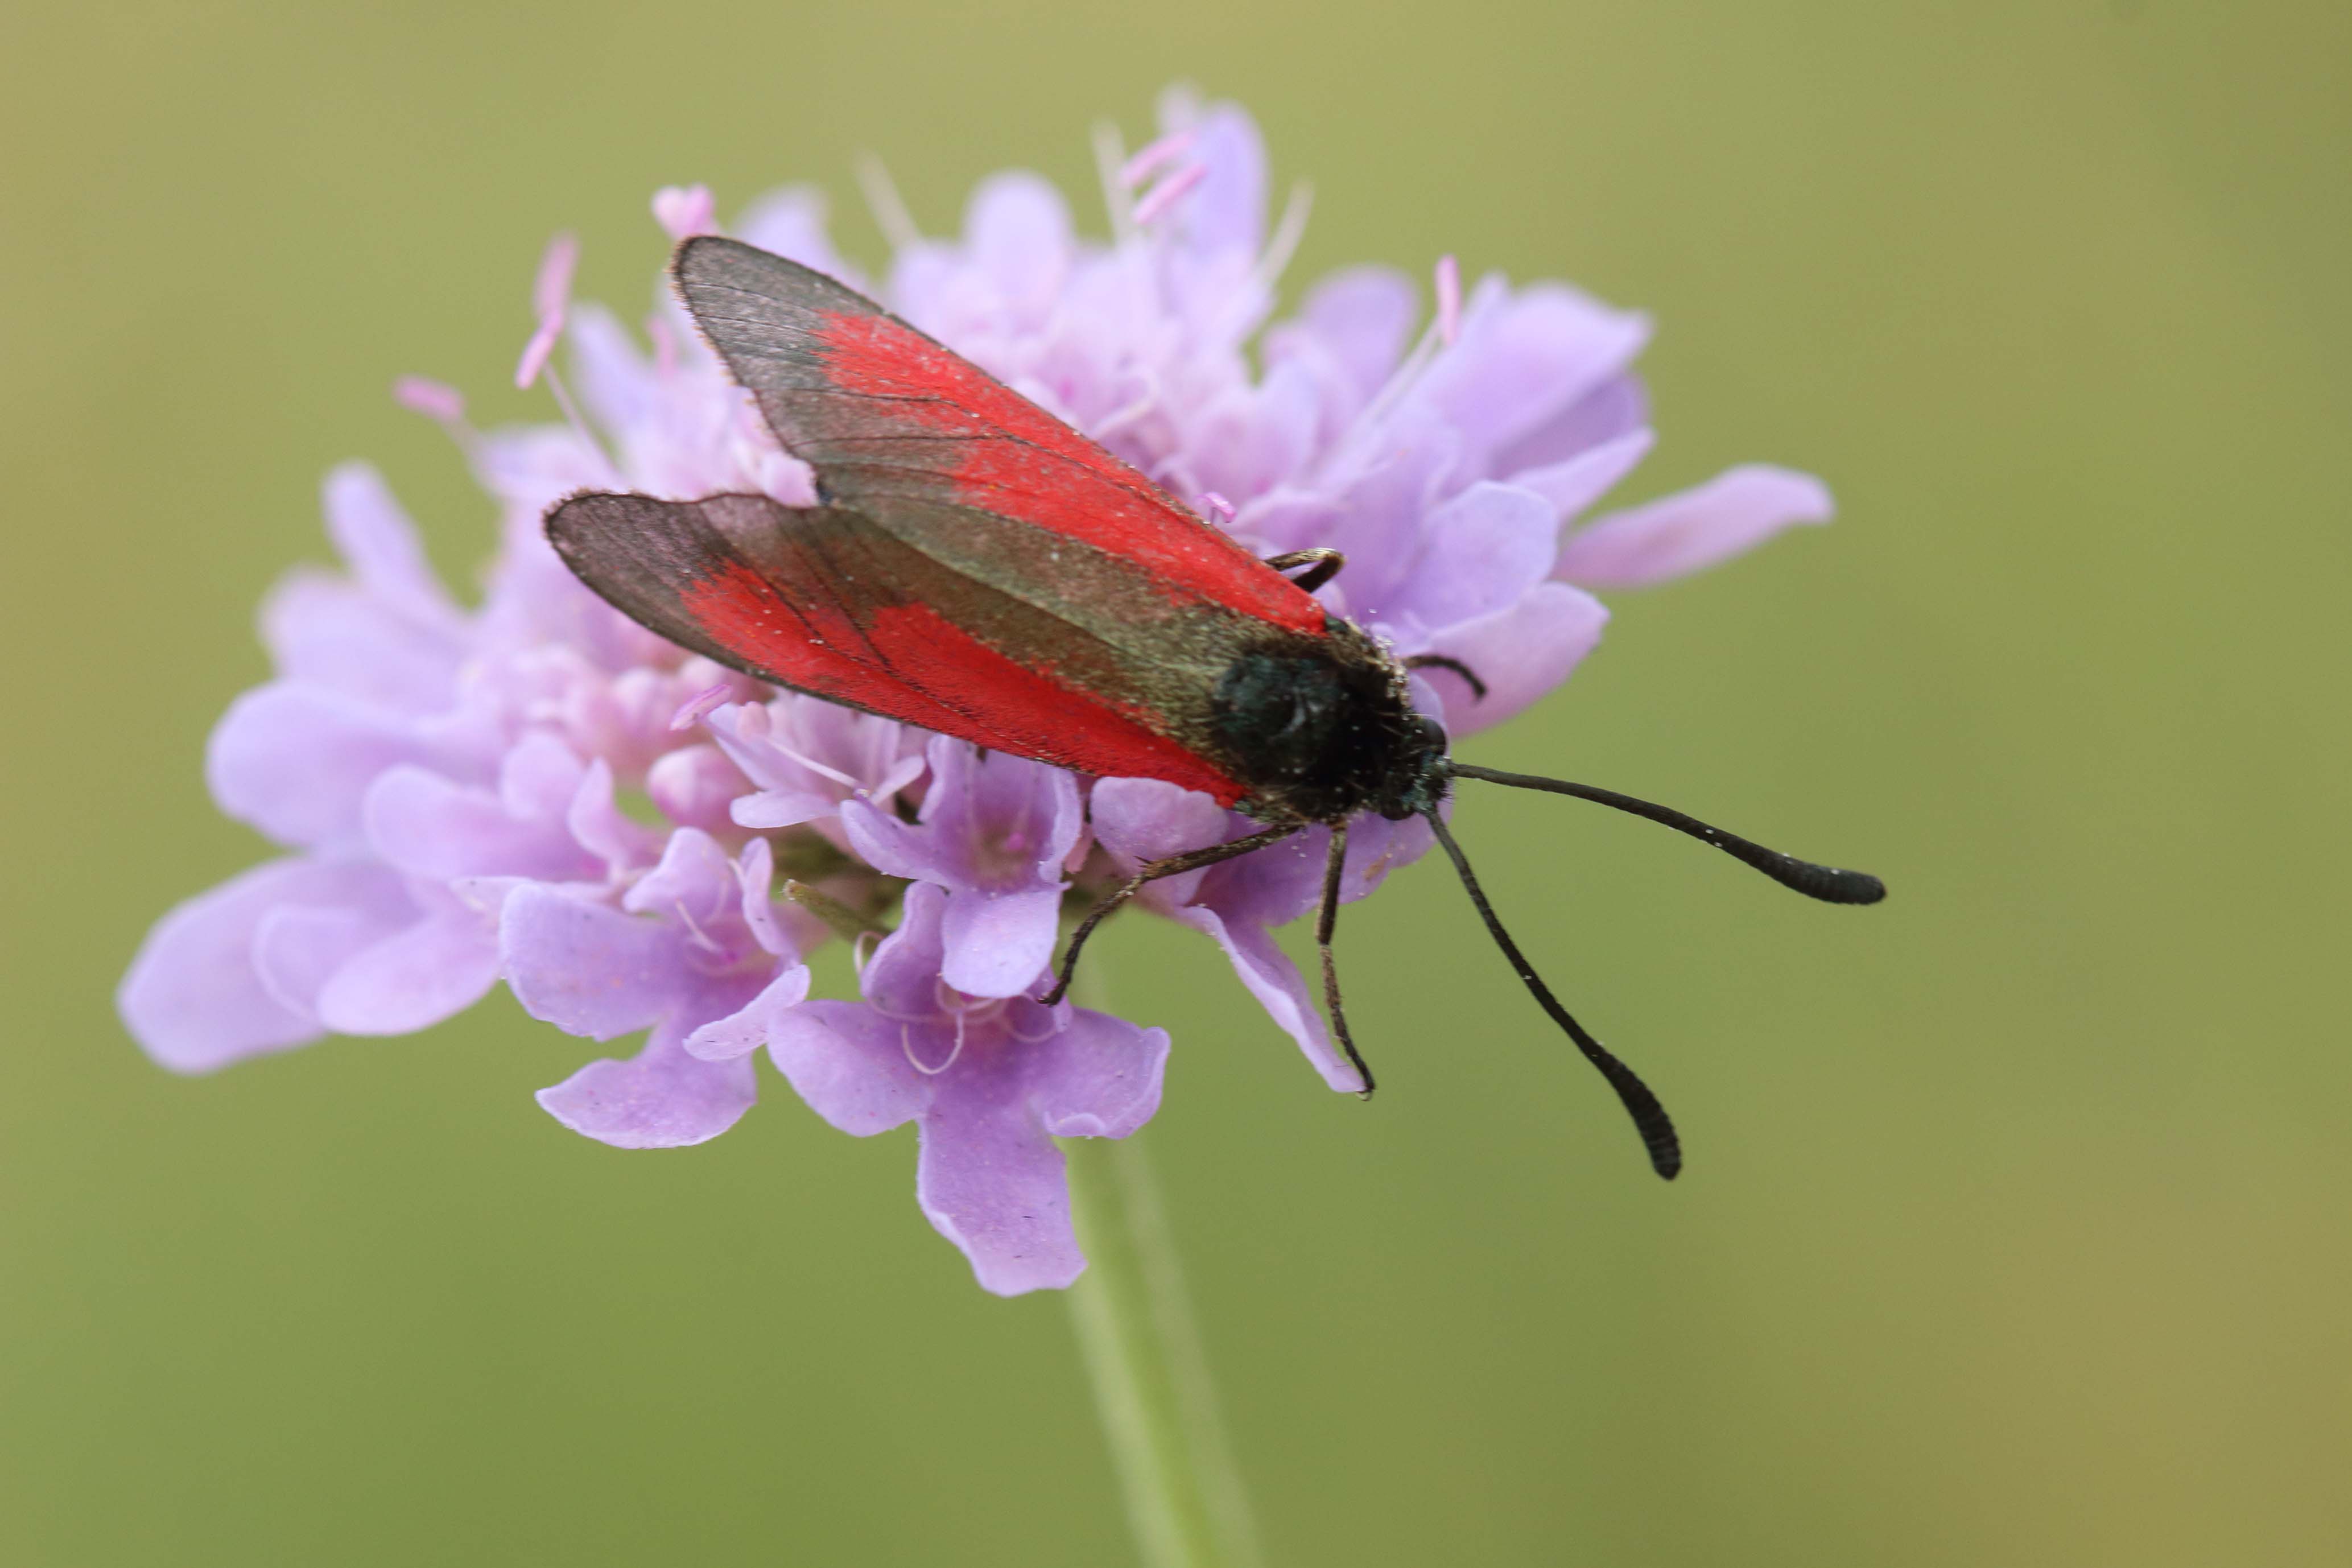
[1432,734]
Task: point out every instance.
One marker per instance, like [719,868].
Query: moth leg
[1151,871]
[1322,565]
[1443,661]
[1325,920]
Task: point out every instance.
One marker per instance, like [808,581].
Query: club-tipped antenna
[1827,883]
[1650,1118]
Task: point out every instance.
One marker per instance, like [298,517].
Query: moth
[975,566]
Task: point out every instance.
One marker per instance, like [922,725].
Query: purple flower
[1237,904]
[696,953]
[995,832]
[991,1081]
[536,790]
[807,759]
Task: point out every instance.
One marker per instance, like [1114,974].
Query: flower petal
[421,824]
[998,943]
[806,756]
[1377,846]
[1731,513]
[755,873]
[586,969]
[1099,1076]
[433,969]
[1267,973]
[991,823]
[538,778]
[1617,408]
[298,947]
[659,1099]
[1480,552]
[993,1182]
[1392,472]
[765,810]
[1268,887]
[1226,215]
[1149,819]
[893,848]
[695,785]
[192,998]
[324,630]
[1017,232]
[1575,483]
[375,537]
[1521,652]
[1360,318]
[849,1063]
[742,1032]
[597,823]
[295,761]
[694,881]
[621,389]
[1525,356]
[902,978]
[1250,438]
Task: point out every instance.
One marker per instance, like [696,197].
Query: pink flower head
[535,790]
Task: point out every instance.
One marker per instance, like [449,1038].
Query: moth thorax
[1320,730]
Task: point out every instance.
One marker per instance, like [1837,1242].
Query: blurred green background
[2015,1231]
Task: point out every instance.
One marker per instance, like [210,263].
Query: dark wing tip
[696,252]
[718,260]
[693,264]
[567,518]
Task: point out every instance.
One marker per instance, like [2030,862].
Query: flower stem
[1143,1355]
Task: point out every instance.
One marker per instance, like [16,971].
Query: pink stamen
[434,399]
[684,211]
[551,290]
[1219,509]
[665,344]
[550,294]
[1449,300]
[535,353]
[692,712]
[1156,157]
[1168,193]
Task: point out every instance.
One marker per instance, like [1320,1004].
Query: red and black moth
[978,568]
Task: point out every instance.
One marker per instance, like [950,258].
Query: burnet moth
[976,567]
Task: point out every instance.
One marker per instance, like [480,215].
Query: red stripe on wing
[968,689]
[801,644]
[1028,712]
[1019,461]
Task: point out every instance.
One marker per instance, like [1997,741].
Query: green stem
[1151,1384]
